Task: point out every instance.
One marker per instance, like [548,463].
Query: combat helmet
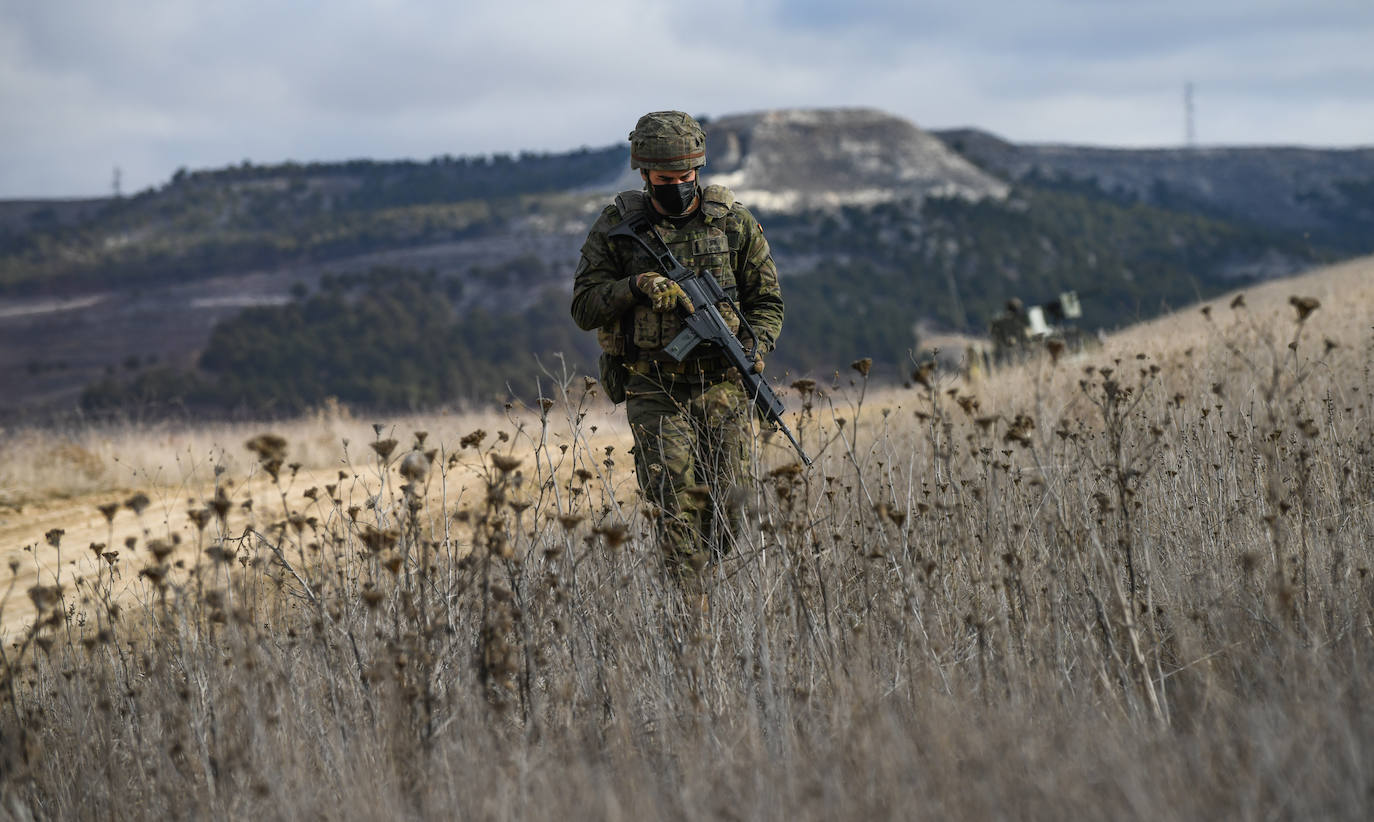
[667,141]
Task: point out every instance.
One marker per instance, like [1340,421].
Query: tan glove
[664,294]
[758,363]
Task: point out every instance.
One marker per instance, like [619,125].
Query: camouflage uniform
[1009,334]
[690,420]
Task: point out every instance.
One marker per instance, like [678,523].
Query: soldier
[1009,333]
[690,420]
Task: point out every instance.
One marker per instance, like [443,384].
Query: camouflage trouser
[691,455]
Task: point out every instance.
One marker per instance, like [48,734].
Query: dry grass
[177,467]
[42,465]
[1135,585]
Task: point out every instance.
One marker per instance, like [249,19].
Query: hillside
[888,225]
[1134,584]
[1326,192]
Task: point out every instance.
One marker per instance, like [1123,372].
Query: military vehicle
[1020,332]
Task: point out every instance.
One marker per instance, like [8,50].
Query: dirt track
[24,530]
[25,546]
[23,541]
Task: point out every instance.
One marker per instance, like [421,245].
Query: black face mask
[675,198]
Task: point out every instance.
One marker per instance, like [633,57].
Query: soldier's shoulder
[745,219]
[718,203]
[629,202]
[606,220]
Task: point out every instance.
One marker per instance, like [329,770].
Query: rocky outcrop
[792,160]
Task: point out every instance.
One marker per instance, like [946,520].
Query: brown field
[1134,583]
[59,480]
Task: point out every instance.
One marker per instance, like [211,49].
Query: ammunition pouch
[611,340]
[614,376]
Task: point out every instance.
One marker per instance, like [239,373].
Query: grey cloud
[160,84]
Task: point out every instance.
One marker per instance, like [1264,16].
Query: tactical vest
[712,244]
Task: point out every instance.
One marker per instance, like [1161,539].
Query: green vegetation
[398,339]
[391,339]
[958,262]
[204,223]
[864,275]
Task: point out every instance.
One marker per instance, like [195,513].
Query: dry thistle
[504,463]
[109,510]
[218,553]
[863,366]
[1019,430]
[200,517]
[1304,306]
[383,448]
[138,503]
[156,574]
[45,597]
[160,549]
[221,505]
[614,535]
[378,541]
[268,447]
[923,373]
[1238,303]
[415,467]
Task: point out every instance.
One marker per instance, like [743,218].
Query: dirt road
[59,541]
[62,541]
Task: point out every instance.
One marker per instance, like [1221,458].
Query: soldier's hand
[664,294]
[758,364]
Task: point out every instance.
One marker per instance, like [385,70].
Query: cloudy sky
[152,85]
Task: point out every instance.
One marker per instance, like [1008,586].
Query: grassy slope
[940,617]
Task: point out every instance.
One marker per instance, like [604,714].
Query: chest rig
[710,242]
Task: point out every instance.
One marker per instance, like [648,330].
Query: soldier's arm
[760,298]
[601,292]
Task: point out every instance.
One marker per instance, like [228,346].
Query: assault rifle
[706,325]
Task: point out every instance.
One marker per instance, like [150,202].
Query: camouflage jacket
[722,237]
